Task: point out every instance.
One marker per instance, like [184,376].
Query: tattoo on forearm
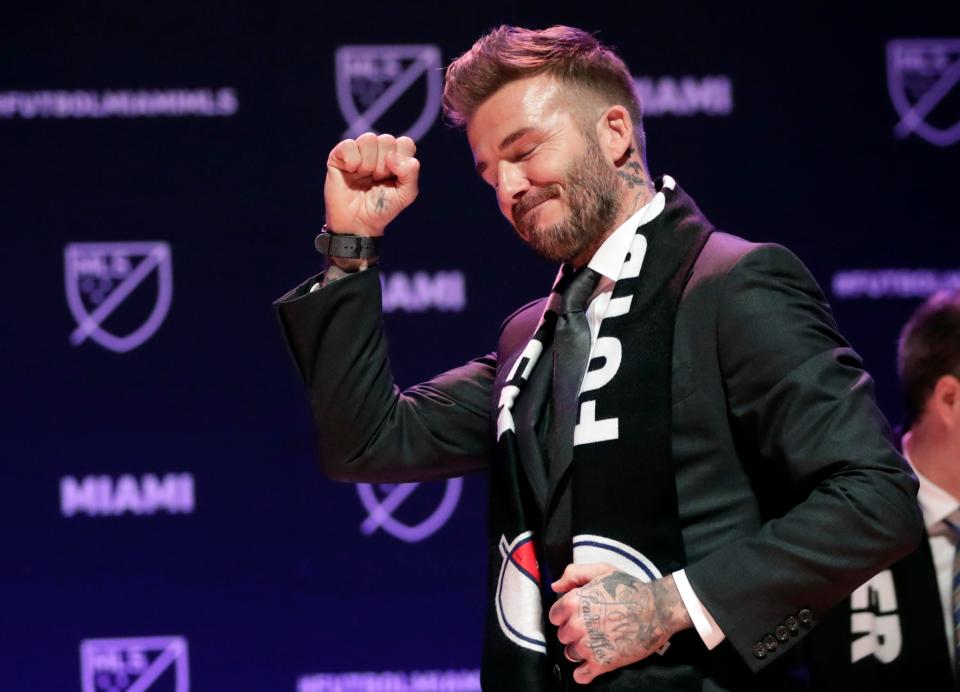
[334,272]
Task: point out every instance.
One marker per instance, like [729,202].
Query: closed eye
[523,156]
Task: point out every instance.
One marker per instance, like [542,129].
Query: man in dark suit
[900,627]
[680,444]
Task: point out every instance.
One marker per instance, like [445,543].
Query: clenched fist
[370,180]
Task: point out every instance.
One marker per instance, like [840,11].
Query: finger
[385,145]
[406,146]
[571,654]
[368,153]
[578,575]
[585,673]
[345,156]
[571,631]
[563,609]
[406,169]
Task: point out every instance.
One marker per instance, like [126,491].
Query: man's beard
[593,203]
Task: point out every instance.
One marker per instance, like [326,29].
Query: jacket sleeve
[366,428]
[798,396]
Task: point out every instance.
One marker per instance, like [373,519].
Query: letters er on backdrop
[902,626]
[687,465]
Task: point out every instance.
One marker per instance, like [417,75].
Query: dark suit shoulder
[725,253]
[521,311]
[722,252]
[519,326]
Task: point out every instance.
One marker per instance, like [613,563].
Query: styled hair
[507,53]
[929,348]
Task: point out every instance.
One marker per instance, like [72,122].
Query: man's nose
[511,184]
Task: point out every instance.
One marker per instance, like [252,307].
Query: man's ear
[615,133]
[944,403]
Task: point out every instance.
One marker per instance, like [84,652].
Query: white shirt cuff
[703,621]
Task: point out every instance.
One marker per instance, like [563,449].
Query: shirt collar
[935,502]
[609,257]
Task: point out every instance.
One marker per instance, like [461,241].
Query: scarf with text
[616,502]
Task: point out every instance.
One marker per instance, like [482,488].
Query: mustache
[532,199]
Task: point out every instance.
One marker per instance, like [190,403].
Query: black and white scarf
[617,500]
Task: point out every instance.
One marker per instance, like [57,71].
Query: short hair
[929,348]
[508,53]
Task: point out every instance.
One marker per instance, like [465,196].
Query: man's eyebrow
[513,137]
[504,143]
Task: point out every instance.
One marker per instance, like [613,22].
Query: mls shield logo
[922,75]
[108,290]
[374,79]
[134,664]
[383,501]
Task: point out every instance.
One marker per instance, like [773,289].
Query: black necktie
[571,352]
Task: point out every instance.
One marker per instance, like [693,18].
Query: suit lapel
[528,413]
[528,407]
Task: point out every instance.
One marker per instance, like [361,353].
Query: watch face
[322,243]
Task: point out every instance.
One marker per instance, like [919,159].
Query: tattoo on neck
[632,180]
[633,174]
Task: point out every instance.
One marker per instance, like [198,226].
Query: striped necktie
[952,522]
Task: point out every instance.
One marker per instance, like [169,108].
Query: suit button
[792,624]
[759,650]
[805,616]
[781,634]
[557,674]
[770,642]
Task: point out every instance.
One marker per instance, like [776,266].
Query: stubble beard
[593,204]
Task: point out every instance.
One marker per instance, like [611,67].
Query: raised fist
[370,180]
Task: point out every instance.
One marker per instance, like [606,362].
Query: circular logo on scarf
[519,610]
[588,549]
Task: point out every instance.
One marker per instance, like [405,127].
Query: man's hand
[613,619]
[369,181]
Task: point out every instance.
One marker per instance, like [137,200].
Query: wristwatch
[347,245]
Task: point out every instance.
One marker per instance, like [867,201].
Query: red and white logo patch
[519,609]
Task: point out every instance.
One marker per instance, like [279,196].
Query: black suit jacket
[790,494]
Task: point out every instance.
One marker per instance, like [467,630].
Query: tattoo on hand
[626,619]
[381,200]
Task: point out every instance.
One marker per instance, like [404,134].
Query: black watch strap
[347,246]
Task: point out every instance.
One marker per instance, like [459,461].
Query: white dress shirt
[937,504]
[608,261]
